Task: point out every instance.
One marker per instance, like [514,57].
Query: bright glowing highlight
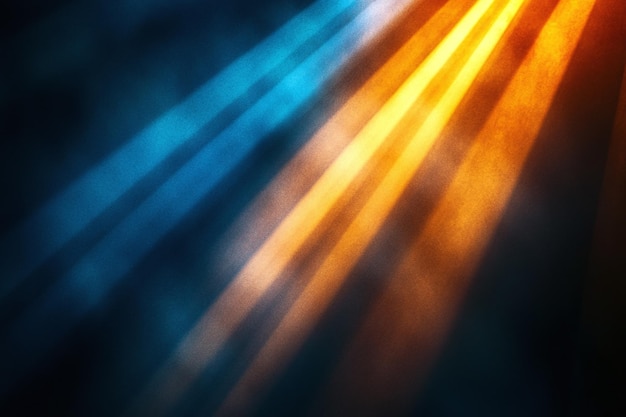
[216,161]
[236,302]
[415,312]
[327,280]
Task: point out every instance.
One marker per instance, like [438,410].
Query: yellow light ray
[277,251]
[247,288]
[271,259]
[414,313]
[218,323]
[327,280]
[277,199]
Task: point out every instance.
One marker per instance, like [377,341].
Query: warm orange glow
[415,311]
[327,280]
[275,202]
[363,140]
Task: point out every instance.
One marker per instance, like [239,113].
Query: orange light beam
[219,322]
[327,280]
[415,311]
[274,255]
[277,199]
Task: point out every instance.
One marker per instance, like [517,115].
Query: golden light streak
[415,311]
[274,203]
[271,259]
[236,302]
[301,222]
[327,280]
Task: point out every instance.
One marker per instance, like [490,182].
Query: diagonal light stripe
[327,280]
[100,269]
[91,280]
[235,303]
[179,194]
[298,226]
[273,204]
[56,223]
[424,293]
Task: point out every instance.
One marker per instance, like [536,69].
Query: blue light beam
[67,214]
[89,281]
